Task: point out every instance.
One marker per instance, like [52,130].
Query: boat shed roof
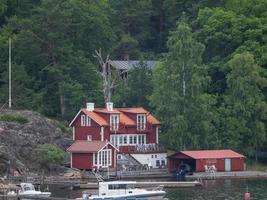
[209,154]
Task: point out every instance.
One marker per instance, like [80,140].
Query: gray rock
[18,141]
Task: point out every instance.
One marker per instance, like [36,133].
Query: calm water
[212,190]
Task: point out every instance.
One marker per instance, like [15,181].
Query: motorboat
[27,191]
[123,190]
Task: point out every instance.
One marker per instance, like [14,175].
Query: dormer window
[141,122]
[85,120]
[114,122]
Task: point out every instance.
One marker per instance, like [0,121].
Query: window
[114,122]
[130,139]
[114,140]
[141,122]
[89,137]
[151,156]
[83,120]
[141,139]
[125,140]
[120,139]
[156,156]
[135,139]
[162,162]
[88,121]
[157,163]
[95,158]
[103,158]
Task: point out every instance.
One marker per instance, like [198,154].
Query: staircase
[132,161]
[98,177]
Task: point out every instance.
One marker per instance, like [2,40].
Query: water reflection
[231,189]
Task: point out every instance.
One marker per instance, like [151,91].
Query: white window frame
[141,122]
[89,137]
[114,122]
[103,158]
[88,121]
[83,120]
[135,139]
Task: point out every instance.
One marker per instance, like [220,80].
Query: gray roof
[129,64]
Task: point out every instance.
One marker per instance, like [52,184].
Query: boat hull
[144,196]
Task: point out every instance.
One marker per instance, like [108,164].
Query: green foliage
[13,118]
[245,104]
[49,156]
[178,95]
[54,72]
[136,89]
[63,127]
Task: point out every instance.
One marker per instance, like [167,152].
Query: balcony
[143,148]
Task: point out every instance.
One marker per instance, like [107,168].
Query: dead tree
[109,75]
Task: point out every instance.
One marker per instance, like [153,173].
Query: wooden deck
[147,184]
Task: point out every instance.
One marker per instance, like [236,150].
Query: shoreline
[59,179]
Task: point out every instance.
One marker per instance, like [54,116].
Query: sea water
[220,189]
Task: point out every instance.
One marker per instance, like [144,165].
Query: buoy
[247,196]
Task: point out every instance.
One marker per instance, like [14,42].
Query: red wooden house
[125,129]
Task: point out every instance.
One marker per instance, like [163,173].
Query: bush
[63,127]
[13,118]
[49,156]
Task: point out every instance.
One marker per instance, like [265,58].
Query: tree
[245,105]
[179,84]
[55,45]
[108,74]
[136,89]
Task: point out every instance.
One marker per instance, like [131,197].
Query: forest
[208,88]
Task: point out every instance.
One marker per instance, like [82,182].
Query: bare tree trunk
[109,76]
[62,101]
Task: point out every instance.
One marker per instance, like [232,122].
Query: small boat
[123,190]
[27,191]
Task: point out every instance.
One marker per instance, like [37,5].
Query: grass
[13,118]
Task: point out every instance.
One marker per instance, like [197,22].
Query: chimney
[126,56]
[90,106]
[109,106]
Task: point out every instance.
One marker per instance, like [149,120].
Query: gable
[96,118]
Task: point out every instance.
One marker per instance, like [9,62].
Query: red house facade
[124,129]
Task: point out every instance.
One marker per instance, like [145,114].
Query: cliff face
[18,140]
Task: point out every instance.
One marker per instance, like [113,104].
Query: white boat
[123,190]
[27,191]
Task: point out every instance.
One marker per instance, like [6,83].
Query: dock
[147,184]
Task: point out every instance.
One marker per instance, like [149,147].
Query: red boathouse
[223,160]
[88,154]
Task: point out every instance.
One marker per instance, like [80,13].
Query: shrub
[49,156]
[13,118]
[63,127]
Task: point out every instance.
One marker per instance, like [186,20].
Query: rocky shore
[18,140]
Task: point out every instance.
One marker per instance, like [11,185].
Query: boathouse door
[227,164]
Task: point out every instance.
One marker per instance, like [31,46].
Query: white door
[227,164]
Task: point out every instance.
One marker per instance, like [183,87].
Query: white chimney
[109,106]
[90,106]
